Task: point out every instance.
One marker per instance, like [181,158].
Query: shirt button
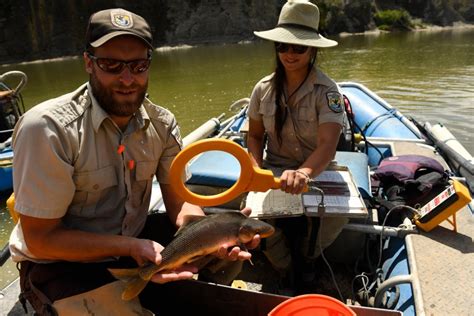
[297,149]
[95,187]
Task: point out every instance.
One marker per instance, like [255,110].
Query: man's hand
[149,251]
[183,273]
[235,252]
[145,250]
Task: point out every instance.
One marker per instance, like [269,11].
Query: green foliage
[393,19]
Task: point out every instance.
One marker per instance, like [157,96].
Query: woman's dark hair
[278,82]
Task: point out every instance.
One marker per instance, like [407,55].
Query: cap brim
[101,41]
[296,36]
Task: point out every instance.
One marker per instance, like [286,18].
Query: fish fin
[244,248]
[124,274]
[133,288]
[201,261]
[134,284]
[189,220]
[246,234]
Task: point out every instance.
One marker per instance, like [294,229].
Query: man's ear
[88,63]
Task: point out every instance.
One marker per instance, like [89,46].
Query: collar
[315,77]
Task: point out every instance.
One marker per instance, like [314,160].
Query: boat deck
[442,258]
[444,262]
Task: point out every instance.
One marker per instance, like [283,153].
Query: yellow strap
[11,208]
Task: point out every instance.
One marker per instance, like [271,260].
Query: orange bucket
[312,304]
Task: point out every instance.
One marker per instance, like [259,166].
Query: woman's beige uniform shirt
[317,101]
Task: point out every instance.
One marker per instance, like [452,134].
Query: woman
[295,120]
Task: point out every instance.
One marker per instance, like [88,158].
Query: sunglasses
[114,66]
[297,49]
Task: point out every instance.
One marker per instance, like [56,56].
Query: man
[83,170]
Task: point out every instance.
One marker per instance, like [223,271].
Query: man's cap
[107,24]
[298,24]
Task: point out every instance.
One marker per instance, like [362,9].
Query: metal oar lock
[252,178]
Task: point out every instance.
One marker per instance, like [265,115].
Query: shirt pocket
[268,109]
[91,187]
[307,120]
[144,172]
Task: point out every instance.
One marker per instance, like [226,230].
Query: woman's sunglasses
[297,49]
[115,66]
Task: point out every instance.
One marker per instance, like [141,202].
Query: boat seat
[220,169]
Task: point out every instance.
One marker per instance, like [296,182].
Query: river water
[427,74]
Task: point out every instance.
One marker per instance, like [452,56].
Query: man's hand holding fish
[197,237]
[147,251]
[186,271]
[236,253]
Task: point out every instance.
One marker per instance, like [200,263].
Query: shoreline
[426,28]
[169,48]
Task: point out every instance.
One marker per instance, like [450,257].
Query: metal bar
[377,229]
[415,284]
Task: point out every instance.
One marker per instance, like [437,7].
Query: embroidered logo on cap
[121,19]
[334,101]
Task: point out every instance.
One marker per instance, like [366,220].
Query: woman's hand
[235,253]
[294,181]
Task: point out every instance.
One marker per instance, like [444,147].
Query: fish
[198,237]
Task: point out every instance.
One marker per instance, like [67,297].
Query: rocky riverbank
[40,29]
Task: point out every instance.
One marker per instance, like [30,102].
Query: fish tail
[134,284]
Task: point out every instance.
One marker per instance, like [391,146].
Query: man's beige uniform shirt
[73,162]
[299,133]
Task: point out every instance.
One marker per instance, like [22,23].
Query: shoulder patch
[335,101]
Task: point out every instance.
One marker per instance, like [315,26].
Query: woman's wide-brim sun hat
[298,24]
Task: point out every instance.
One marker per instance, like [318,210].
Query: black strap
[298,26]
[40,302]
[313,236]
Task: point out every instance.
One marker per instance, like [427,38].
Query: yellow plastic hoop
[251,178]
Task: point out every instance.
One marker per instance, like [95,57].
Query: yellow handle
[11,208]
[251,178]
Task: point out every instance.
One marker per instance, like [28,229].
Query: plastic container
[312,304]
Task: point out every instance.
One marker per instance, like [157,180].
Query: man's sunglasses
[115,66]
[297,49]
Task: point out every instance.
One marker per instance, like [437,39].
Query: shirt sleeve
[42,171]
[254,105]
[173,145]
[330,106]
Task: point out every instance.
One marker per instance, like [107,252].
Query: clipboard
[341,198]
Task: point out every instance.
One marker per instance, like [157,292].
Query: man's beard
[105,98]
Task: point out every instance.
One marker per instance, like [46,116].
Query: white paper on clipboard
[341,198]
